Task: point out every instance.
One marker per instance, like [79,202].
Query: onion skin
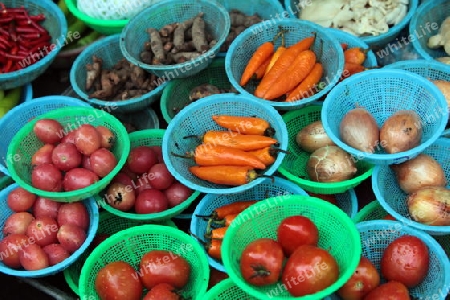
[313,137]
[401,132]
[359,130]
[419,172]
[430,206]
[330,164]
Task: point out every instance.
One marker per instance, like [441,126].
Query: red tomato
[329,198]
[389,291]
[309,269]
[296,231]
[215,276]
[49,131]
[65,156]
[161,266]
[46,177]
[141,159]
[261,262]
[405,260]
[107,135]
[162,291]
[364,280]
[118,281]
[102,162]
[87,139]
[120,196]
[43,155]
[12,245]
[20,200]
[79,178]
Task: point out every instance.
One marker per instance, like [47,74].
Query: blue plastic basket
[109,51]
[354,41]
[426,23]
[27,93]
[92,209]
[392,198]
[431,70]
[327,49]
[373,41]
[383,92]
[20,115]
[279,188]
[134,34]
[348,202]
[56,25]
[370,212]
[196,119]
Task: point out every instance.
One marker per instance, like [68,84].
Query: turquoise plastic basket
[196,119]
[56,25]
[383,92]
[109,51]
[134,34]
[373,41]
[348,202]
[20,115]
[426,23]
[92,209]
[392,198]
[327,49]
[27,93]
[279,188]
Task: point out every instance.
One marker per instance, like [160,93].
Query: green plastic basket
[131,244]
[337,232]
[294,164]
[370,212]
[25,143]
[149,137]
[107,224]
[227,290]
[176,94]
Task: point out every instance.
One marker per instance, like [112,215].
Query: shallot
[401,132]
[430,206]
[313,137]
[359,130]
[330,164]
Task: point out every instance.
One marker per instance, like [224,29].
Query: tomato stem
[259,271]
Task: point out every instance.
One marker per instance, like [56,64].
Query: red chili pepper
[27,30]
[5,41]
[12,31]
[22,52]
[30,36]
[6,19]
[3,32]
[13,56]
[27,18]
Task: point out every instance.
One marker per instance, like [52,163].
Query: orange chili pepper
[261,54]
[305,88]
[266,155]
[262,69]
[232,209]
[217,233]
[344,46]
[226,221]
[213,248]
[355,55]
[350,69]
[227,175]
[245,125]
[277,53]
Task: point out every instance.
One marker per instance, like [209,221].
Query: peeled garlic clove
[401,132]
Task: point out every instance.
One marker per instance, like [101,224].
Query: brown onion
[359,130]
[401,132]
[430,206]
[330,164]
[419,172]
[313,137]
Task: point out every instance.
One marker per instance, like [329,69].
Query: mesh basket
[337,232]
[176,95]
[5,180]
[27,93]
[134,35]
[327,49]
[150,137]
[294,164]
[426,23]
[227,290]
[196,119]
[92,209]
[279,188]
[377,235]
[20,115]
[392,198]
[294,8]
[348,202]
[25,143]
[108,50]
[384,92]
[56,25]
[107,224]
[131,244]
[431,70]
[370,212]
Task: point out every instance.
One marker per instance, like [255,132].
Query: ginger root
[442,39]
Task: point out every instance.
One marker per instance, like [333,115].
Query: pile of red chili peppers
[23,41]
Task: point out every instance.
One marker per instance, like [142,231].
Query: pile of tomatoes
[41,232]
[308,268]
[71,160]
[161,272]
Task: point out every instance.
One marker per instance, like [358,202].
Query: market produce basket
[92,209]
[108,224]
[176,95]
[370,212]
[227,290]
[327,49]
[5,180]
[337,233]
[431,70]
[56,25]
[393,199]
[20,115]
[150,137]
[279,188]
[294,8]
[196,119]
[131,244]
[294,165]
[134,35]
[25,143]
[426,23]
[108,51]
[401,90]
